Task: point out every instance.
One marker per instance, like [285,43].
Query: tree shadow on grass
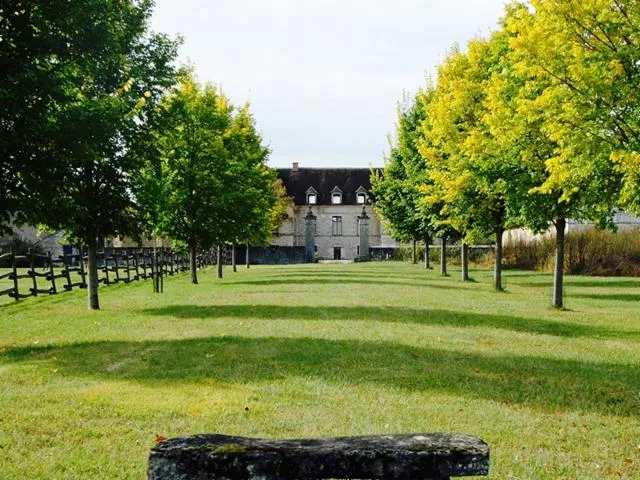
[616,297]
[548,282]
[393,314]
[423,276]
[605,283]
[337,280]
[544,383]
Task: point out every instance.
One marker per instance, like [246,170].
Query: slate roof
[324,180]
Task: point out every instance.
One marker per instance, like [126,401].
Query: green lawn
[319,350]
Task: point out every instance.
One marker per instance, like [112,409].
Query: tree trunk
[414,252]
[426,252]
[559,266]
[92,270]
[497,268]
[246,259]
[219,263]
[465,261]
[192,261]
[233,257]
[443,255]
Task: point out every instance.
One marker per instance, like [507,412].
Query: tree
[566,145]
[587,52]
[395,192]
[258,198]
[194,202]
[481,180]
[432,202]
[91,73]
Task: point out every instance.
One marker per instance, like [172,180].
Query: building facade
[331,213]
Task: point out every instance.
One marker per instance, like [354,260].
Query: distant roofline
[327,168]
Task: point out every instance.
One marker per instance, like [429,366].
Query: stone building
[47,241]
[332,214]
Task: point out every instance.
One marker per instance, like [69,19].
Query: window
[361,195]
[336,226]
[312,196]
[336,198]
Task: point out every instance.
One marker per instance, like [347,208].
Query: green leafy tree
[587,53]
[255,196]
[395,192]
[481,180]
[566,145]
[432,201]
[190,191]
[94,71]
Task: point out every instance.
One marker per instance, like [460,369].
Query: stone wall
[271,255]
[292,231]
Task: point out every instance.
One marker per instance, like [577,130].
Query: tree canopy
[205,181]
[530,127]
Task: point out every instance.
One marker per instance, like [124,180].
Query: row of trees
[534,125]
[102,135]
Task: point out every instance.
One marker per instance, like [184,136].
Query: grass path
[317,350]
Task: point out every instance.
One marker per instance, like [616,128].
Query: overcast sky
[323,76]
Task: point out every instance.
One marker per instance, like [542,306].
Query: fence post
[135,264]
[83,273]
[115,265]
[68,287]
[161,271]
[52,277]
[126,262]
[32,272]
[154,270]
[105,269]
[15,275]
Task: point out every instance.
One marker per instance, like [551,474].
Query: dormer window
[336,196]
[361,196]
[312,196]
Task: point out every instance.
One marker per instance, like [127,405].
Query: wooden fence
[47,275]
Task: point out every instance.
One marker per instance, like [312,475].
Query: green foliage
[570,144]
[205,181]
[79,81]
[395,193]
[258,198]
[471,175]
[186,189]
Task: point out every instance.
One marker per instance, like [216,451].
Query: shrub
[476,255]
[589,252]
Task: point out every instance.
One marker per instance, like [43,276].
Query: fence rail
[48,275]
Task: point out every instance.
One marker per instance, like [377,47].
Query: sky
[323,77]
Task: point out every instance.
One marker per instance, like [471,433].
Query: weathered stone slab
[428,456]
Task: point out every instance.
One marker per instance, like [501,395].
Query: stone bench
[428,456]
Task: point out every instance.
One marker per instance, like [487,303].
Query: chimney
[295,167]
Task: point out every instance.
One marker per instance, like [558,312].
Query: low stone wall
[428,456]
[271,255]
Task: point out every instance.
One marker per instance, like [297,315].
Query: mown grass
[318,350]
